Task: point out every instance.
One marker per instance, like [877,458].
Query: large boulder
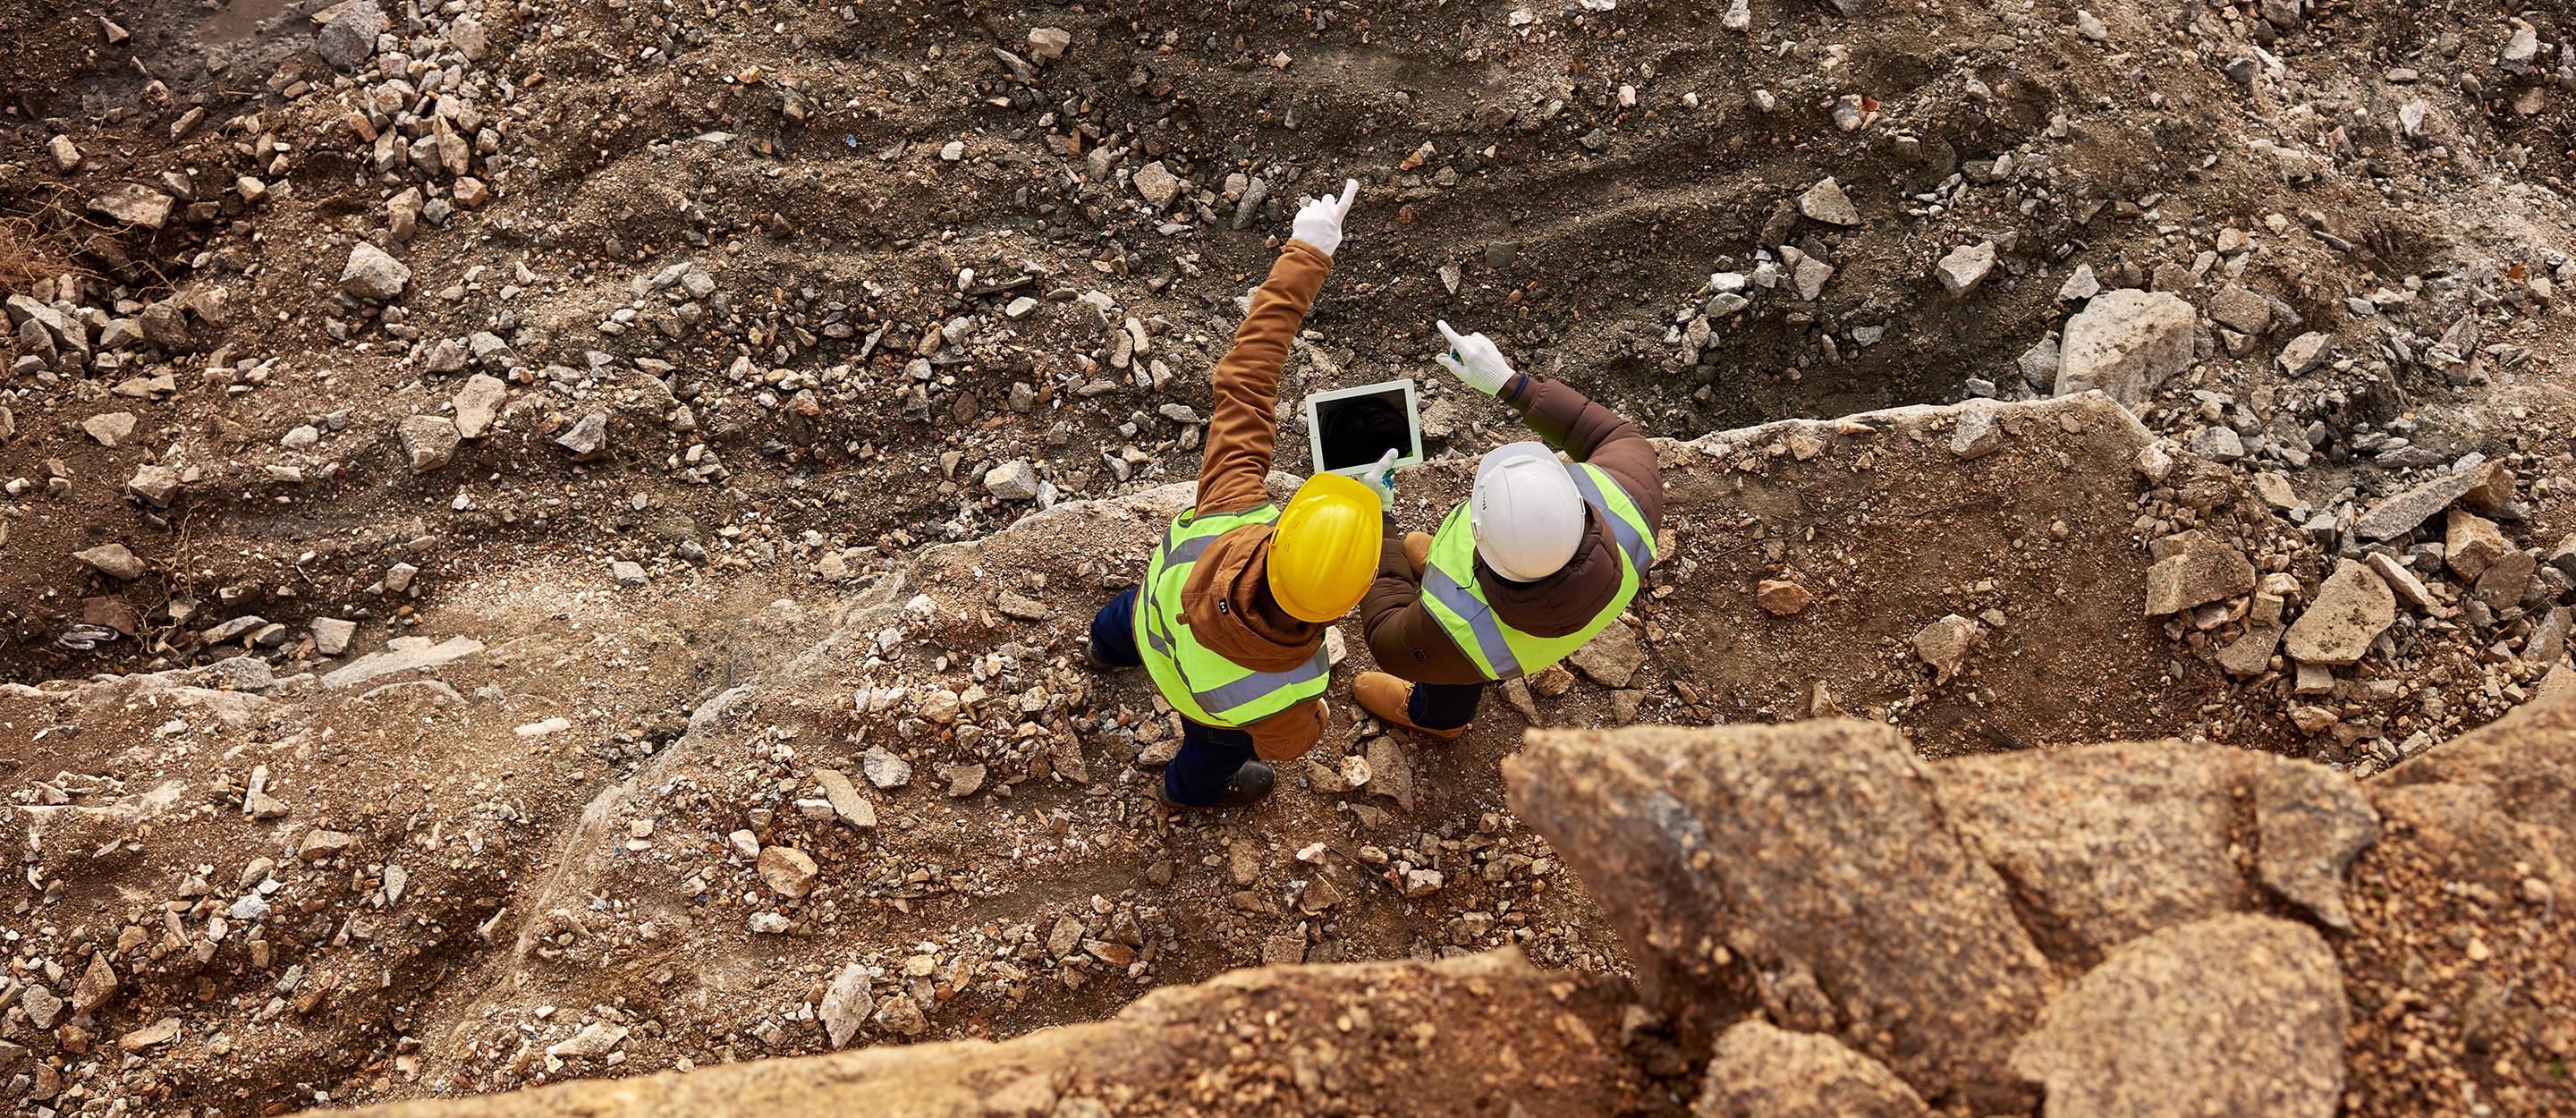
[2126,343]
[1760,1071]
[2238,1015]
[1805,870]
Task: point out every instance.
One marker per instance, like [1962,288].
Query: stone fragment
[110,428]
[2126,343]
[1964,267]
[1805,863]
[97,985]
[2236,1015]
[2080,285]
[2305,352]
[1762,1071]
[846,1005]
[884,769]
[1781,597]
[627,572]
[963,779]
[1944,645]
[428,442]
[1977,434]
[477,403]
[852,808]
[112,560]
[2195,569]
[319,844]
[2312,822]
[2401,513]
[1827,203]
[788,872]
[1046,44]
[331,635]
[402,654]
[587,438]
[372,275]
[1015,480]
[133,204]
[1389,773]
[2351,610]
[1611,659]
[1157,184]
[2505,581]
[599,1038]
[42,1005]
[2472,543]
[349,40]
[2241,310]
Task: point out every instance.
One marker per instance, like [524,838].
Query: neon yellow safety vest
[1450,592]
[1202,684]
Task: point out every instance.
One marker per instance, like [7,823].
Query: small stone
[1781,597]
[2472,543]
[1015,480]
[2504,582]
[852,808]
[2351,610]
[884,769]
[899,1015]
[2126,343]
[1977,434]
[133,204]
[596,1039]
[2155,462]
[349,40]
[66,156]
[1157,184]
[97,985]
[2305,352]
[428,442]
[2241,310]
[1944,645]
[588,437]
[1046,44]
[2218,444]
[2079,286]
[1965,267]
[788,872]
[110,428]
[2409,589]
[627,572]
[319,844]
[2195,569]
[112,560]
[846,1005]
[477,403]
[1827,203]
[372,275]
[42,1005]
[331,635]
[1611,659]
[1021,607]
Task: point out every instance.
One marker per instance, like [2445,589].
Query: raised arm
[1567,419]
[1244,429]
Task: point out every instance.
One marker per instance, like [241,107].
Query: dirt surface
[757,297]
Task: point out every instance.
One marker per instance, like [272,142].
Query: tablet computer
[1350,429]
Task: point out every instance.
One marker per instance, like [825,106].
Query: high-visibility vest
[1450,592]
[1202,684]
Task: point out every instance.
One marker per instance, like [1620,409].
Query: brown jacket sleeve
[1287,735]
[1244,425]
[1403,637]
[1571,422]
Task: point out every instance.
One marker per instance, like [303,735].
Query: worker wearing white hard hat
[1542,557]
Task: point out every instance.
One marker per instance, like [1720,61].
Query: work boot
[1102,666]
[1417,551]
[1390,699]
[1249,785]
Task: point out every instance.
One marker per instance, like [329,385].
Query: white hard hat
[1526,513]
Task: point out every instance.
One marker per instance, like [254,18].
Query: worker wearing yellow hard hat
[1231,616]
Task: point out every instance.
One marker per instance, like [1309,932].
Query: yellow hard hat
[1324,551]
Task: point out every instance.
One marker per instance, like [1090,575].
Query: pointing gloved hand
[1319,222]
[1473,359]
[1381,480]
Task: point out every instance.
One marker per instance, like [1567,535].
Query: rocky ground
[550,540]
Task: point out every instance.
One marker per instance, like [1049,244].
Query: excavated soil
[741,236]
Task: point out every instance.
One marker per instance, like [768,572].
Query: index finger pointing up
[1350,192]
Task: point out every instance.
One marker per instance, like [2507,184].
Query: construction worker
[1541,558]
[1230,620]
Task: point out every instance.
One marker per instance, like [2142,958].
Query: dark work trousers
[1444,706]
[1209,755]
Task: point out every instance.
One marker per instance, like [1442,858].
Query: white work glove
[1381,480]
[1473,359]
[1319,221]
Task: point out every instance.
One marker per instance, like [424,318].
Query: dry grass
[27,254]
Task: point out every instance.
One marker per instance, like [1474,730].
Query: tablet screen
[1356,431]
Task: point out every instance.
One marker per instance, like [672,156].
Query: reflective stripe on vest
[1202,684]
[1450,592]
